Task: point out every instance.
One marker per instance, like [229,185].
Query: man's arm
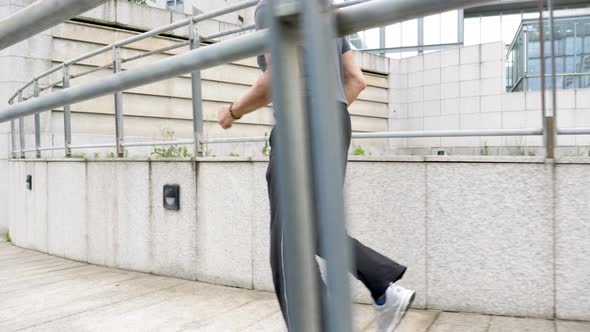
[354,81]
[255,98]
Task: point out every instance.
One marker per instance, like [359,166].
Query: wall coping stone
[428,159]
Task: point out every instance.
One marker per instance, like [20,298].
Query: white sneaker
[397,303]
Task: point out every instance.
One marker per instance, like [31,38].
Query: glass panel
[432,30]
[408,54]
[372,38]
[472,31]
[410,33]
[170,4]
[356,41]
[510,24]
[566,82]
[533,84]
[393,35]
[491,29]
[582,60]
[449,27]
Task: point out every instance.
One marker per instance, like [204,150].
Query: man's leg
[276,239]
[373,269]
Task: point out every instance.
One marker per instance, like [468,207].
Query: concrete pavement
[39,292]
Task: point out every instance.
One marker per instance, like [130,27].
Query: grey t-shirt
[341,46]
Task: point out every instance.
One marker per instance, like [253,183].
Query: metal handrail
[141,36]
[160,30]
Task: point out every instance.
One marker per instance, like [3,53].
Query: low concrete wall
[493,235]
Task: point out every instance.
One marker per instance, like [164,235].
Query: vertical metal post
[67,114]
[197,97]
[327,137]
[293,167]
[37,123]
[525,55]
[21,128]
[546,118]
[461,26]
[119,134]
[551,121]
[382,39]
[13,136]
[420,35]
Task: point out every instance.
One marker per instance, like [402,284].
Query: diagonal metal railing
[43,14]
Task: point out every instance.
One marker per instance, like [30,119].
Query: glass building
[175,5]
[572,55]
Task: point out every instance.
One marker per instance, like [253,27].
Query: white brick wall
[464,88]
[450,90]
[450,74]
[432,76]
[470,54]
[583,98]
[450,58]
[469,105]
[469,72]
[450,106]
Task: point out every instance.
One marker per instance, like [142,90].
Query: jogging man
[377,272]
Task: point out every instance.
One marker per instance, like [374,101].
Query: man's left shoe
[397,302]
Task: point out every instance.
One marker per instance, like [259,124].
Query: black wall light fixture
[29,182]
[171,197]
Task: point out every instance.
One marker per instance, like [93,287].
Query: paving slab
[460,322]
[510,324]
[414,321]
[570,326]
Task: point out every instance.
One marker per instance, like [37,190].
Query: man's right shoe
[397,302]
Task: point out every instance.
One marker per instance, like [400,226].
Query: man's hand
[224,117]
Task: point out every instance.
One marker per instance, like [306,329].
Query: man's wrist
[233,113]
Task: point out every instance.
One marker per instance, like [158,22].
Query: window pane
[356,41]
[432,30]
[409,54]
[449,27]
[393,35]
[472,31]
[583,59]
[372,38]
[491,29]
[410,33]
[510,24]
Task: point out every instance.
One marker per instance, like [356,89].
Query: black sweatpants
[374,270]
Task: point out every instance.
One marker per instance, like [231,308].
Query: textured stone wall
[494,235]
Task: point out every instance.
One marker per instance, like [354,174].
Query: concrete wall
[464,88]
[494,235]
[26,54]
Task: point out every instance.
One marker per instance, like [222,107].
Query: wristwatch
[231,112]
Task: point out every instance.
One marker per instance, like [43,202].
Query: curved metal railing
[193,42]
